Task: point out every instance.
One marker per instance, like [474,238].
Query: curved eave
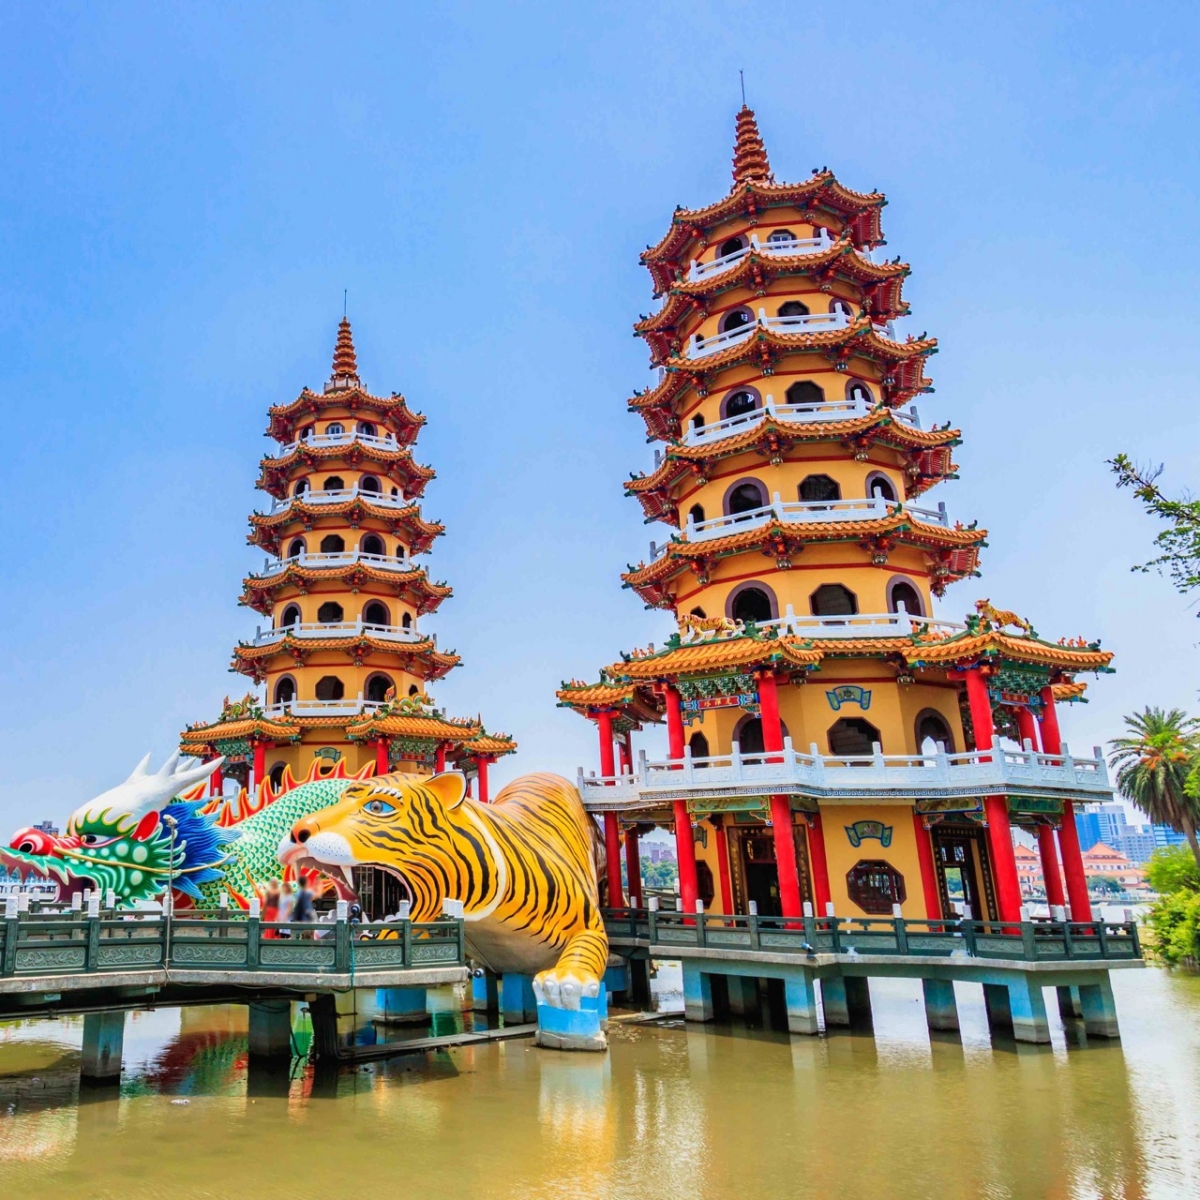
[637,704]
[402,725]
[284,418]
[494,745]
[258,594]
[250,660]
[991,644]
[276,471]
[250,728]
[721,654]
[265,527]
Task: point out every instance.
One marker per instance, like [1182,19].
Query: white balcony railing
[832,410]
[341,629]
[779,248]
[901,777]
[328,440]
[803,512]
[855,625]
[385,562]
[321,708]
[826,322]
[342,496]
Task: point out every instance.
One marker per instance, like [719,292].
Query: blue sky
[186,190]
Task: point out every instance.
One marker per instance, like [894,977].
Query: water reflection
[672,1111]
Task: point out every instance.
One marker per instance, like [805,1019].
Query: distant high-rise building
[1165,836]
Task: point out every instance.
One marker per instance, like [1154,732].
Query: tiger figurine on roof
[523,868]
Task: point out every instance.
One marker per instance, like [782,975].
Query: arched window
[841,306]
[696,513]
[738,404]
[737,319]
[833,600]
[300,488]
[751,604]
[368,483]
[291,615]
[852,737]
[373,544]
[880,487]
[778,236]
[335,483]
[903,597]
[931,726]
[745,497]
[376,613]
[413,690]
[697,421]
[333,543]
[805,392]
[330,687]
[858,391]
[330,613]
[698,744]
[816,488]
[875,885]
[395,491]
[334,429]
[793,308]
[401,550]
[366,428]
[377,688]
[285,690]
[749,736]
[731,246]
[296,548]
[406,621]
[306,433]
[276,776]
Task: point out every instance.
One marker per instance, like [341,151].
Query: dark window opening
[330,613]
[300,488]
[750,737]
[413,690]
[705,885]
[881,489]
[276,776]
[368,483]
[833,600]
[905,598]
[816,488]
[365,427]
[306,433]
[699,612]
[330,688]
[752,604]
[697,421]
[738,319]
[406,621]
[931,726]
[373,544]
[875,885]
[731,246]
[698,744]
[860,391]
[696,513]
[335,483]
[741,403]
[377,688]
[852,737]
[805,392]
[794,308]
[291,615]
[285,691]
[375,613]
[296,548]
[333,543]
[745,498]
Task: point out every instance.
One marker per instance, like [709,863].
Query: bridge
[733,965]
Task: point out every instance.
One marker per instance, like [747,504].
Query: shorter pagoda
[343,662]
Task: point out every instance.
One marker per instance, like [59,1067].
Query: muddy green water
[671,1112]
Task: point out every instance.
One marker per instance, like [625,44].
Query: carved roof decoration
[421,658]
[268,530]
[259,593]
[397,464]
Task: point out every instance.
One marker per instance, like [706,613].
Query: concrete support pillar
[401,1006]
[271,1029]
[941,1009]
[1099,1008]
[103,1042]
[485,993]
[697,994]
[801,998]
[1027,1007]
[1068,1003]
[834,1002]
[995,1000]
[743,996]
[518,1005]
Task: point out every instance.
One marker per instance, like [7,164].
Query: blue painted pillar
[995,1000]
[697,994]
[743,996]
[485,992]
[271,1029]
[941,1010]
[1068,1003]
[616,980]
[401,1006]
[801,998]
[518,1005]
[103,1042]
[834,1002]
[1027,1007]
[1099,1008]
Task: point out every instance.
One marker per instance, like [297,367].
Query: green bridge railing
[1030,941]
[70,944]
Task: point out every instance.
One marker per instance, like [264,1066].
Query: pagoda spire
[750,163]
[345,362]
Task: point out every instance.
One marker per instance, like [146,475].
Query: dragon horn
[143,792]
[140,769]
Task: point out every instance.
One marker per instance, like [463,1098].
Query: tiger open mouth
[348,880]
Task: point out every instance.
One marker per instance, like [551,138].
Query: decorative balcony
[344,629]
[828,322]
[316,562]
[801,512]
[902,778]
[342,496]
[322,708]
[833,410]
[324,441]
[780,248]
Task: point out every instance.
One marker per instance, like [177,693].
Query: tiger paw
[564,987]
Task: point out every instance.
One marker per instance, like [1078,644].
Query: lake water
[671,1111]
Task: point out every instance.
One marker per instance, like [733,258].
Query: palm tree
[1153,766]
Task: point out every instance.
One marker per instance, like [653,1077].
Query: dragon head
[133,839]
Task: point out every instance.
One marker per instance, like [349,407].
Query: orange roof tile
[258,593]
[268,529]
[276,473]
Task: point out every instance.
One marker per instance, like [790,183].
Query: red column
[781,806]
[685,851]
[1050,876]
[481,765]
[439,763]
[995,808]
[1068,835]
[633,868]
[625,751]
[722,845]
[768,706]
[1026,726]
[820,868]
[612,855]
[260,764]
[381,756]
[933,899]
[674,722]
[604,723]
[215,783]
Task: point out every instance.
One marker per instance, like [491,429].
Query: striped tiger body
[522,866]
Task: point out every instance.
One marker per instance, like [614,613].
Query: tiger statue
[1000,617]
[692,627]
[523,867]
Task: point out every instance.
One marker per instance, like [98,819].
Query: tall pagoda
[343,661]
[833,744]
